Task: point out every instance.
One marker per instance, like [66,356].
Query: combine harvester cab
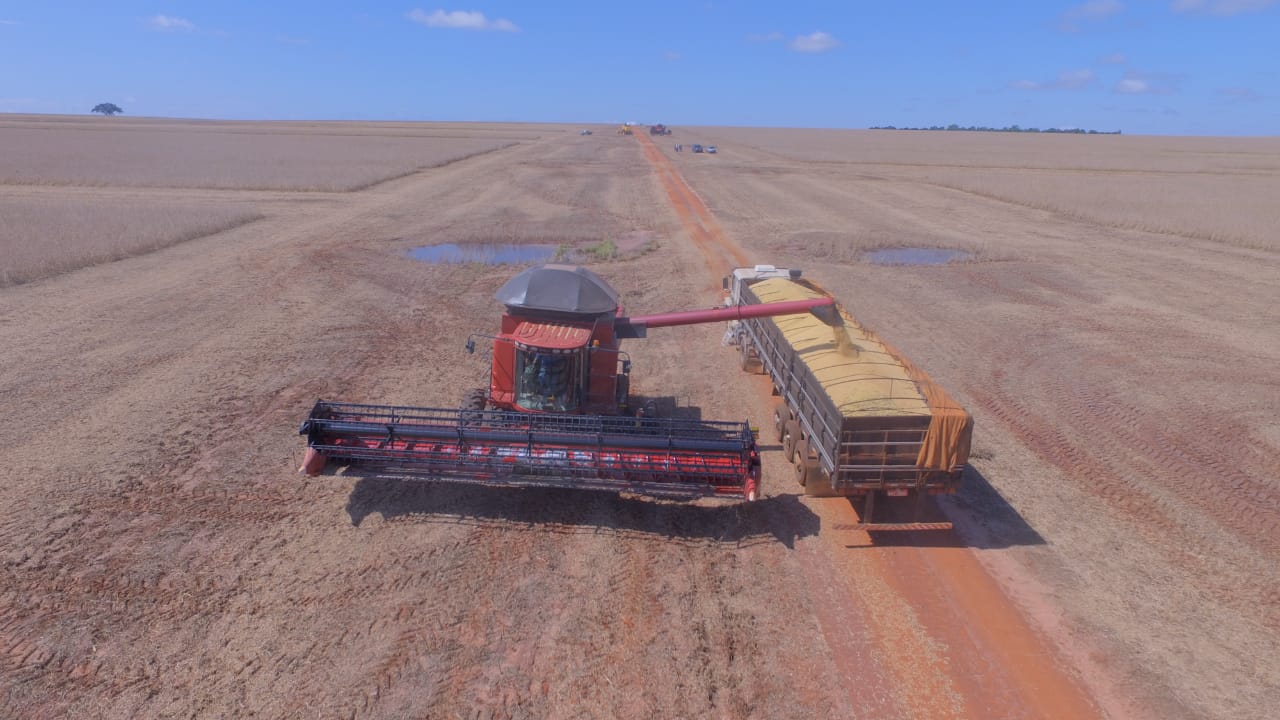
[557,411]
[854,417]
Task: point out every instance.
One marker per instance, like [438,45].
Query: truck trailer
[855,418]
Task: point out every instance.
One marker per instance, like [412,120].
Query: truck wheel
[818,483]
[790,436]
[749,365]
[800,464]
[780,416]
[809,473]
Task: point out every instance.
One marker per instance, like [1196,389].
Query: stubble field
[1113,334]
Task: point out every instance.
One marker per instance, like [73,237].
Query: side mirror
[471,346]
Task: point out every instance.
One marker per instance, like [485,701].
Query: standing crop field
[317,156]
[98,217]
[46,235]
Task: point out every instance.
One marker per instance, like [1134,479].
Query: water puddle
[915,256]
[485,253]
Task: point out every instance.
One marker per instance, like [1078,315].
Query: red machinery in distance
[557,411]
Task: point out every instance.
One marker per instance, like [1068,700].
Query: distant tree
[1008,129]
[107,109]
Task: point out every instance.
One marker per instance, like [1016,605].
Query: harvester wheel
[790,436]
[624,394]
[780,416]
[476,399]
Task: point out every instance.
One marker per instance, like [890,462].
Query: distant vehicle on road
[711,149]
[585,132]
[697,148]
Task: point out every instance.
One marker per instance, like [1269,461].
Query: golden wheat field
[175,295]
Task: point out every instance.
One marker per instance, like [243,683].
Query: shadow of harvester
[780,519]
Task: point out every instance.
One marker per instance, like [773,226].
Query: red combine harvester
[558,410]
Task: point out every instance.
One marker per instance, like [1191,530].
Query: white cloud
[813,43]
[1071,19]
[1240,94]
[461,20]
[1139,83]
[1066,80]
[1220,7]
[1133,86]
[164,23]
[1073,79]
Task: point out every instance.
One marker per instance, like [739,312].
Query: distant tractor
[624,130]
[659,129]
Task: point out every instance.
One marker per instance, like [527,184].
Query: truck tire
[800,465]
[749,365]
[790,436]
[780,417]
[817,483]
[809,473]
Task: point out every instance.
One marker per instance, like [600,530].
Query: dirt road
[161,558]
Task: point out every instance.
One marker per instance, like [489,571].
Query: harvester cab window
[547,381]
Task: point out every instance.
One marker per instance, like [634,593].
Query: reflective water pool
[486,253]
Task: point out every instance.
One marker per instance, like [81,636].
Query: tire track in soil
[1200,477]
[111,533]
[1115,461]
[932,671]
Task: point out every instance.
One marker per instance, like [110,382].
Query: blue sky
[1168,67]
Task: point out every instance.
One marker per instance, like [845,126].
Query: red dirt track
[935,614]
[1115,538]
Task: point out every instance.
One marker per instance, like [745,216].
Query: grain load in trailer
[856,369]
[853,415]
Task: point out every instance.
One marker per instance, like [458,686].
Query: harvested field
[1116,536]
[1218,189]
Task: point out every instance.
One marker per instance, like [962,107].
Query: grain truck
[854,417]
